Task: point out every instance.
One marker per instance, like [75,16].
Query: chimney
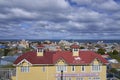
[75,50]
[40,50]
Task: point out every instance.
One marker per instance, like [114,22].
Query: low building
[110,60]
[60,65]
[115,68]
[7,60]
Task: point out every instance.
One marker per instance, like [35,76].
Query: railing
[7,73]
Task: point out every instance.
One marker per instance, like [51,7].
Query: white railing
[7,73]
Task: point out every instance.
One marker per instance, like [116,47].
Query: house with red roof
[60,65]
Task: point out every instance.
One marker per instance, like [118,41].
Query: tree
[115,52]
[113,70]
[114,56]
[6,51]
[101,51]
[26,50]
[82,47]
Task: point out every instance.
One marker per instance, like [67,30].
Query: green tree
[113,70]
[115,52]
[6,51]
[101,51]
[114,56]
[82,47]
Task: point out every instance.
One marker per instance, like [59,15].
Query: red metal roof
[50,57]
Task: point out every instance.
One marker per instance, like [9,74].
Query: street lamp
[61,74]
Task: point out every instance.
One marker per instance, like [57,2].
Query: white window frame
[96,68]
[44,68]
[79,78]
[25,69]
[39,50]
[64,78]
[75,50]
[83,66]
[96,78]
[69,78]
[89,78]
[58,78]
[73,67]
[60,68]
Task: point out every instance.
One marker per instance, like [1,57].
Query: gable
[24,62]
[60,62]
[96,61]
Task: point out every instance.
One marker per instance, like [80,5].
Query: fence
[7,73]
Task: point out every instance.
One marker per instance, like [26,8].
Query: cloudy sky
[59,19]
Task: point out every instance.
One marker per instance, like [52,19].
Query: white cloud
[57,19]
[3,16]
[77,25]
[83,1]
[36,4]
[17,12]
[85,14]
[109,5]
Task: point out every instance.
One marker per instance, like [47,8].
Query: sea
[70,40]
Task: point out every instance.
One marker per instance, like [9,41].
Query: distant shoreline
[70,40]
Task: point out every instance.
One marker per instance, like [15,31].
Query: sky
[59,19]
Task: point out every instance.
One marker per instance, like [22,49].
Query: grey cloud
[109,5]
[57,19]
[36,4]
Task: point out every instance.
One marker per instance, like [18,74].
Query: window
[73,68]
[59,78]
[43,69]
[89,78]
[24,68]
[40,49]
[82,68]
[96,78]
[69,78]
[61,67]
[79,79]
[96,67]
[75,49]
[64,78]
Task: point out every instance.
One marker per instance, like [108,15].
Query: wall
[36,72]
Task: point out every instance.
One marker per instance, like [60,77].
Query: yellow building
[60,65]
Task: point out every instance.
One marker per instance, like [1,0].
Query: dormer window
[75,49]
[40,50]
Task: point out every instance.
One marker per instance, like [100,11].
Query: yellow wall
[39,53]
[75,53]
[36,72]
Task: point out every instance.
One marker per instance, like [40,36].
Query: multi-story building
[60,65]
